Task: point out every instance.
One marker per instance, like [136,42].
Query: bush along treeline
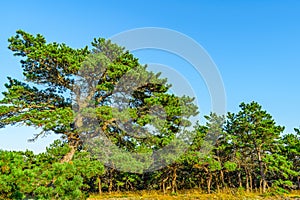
[44,176]
[245,150]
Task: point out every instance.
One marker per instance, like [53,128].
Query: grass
[228,194]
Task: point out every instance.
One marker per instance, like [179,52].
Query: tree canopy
[117,119]
[66,90]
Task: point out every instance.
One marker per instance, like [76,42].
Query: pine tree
[66,90]
[254,133]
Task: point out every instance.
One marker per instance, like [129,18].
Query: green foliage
[230,166]
[244,150]
[66,89]
[42,176]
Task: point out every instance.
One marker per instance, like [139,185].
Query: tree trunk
[110,186]
[202,183]
[174,185]
[217,182]
[240,178]
[209,182]
[99,186]
[164,185]
[251,182]
[222,179]
[247,182]
[230,185]
[129,186]
[263,183]
[68,157]
[73,142]
[260,186]
[247,178]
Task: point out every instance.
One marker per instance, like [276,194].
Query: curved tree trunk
[73,142]
[68,157]
[164,185]
[174,185]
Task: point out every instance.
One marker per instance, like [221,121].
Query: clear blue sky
[255,44]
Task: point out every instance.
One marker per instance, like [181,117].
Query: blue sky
[255,45]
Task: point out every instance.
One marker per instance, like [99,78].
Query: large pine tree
[66,90]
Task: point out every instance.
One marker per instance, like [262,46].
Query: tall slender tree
[254,134]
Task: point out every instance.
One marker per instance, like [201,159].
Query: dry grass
[227,194]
